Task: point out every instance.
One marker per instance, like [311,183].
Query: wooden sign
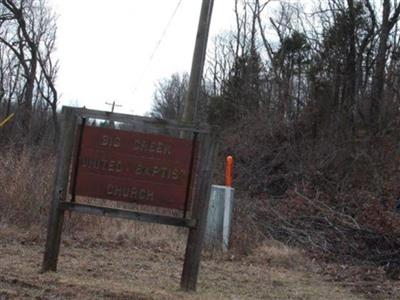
[120,165]
[150,169]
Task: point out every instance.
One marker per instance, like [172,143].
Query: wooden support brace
[196,235]
[56,215]
[127,214]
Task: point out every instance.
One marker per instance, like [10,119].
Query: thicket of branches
[308,99]
[336,62]
[28,71]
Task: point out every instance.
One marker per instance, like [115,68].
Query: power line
[157,46]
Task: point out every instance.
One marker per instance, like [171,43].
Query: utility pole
[113,105]
[199,55]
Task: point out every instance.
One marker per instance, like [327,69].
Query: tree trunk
[379,75]
[378,82]
[28,96]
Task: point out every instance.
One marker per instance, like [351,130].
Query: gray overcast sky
[104,48]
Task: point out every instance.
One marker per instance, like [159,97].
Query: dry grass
[111,269]
[278,255]
[26,180]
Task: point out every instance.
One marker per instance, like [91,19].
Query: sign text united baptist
[136,167]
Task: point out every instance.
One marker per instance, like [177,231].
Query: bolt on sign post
[151,169]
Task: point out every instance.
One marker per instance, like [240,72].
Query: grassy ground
[122,267]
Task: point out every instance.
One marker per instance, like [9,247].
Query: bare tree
[168,99]
[390,16]
[27,36]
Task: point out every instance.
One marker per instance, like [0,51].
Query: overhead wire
[157,46]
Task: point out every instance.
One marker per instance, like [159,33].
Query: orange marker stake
[229,171]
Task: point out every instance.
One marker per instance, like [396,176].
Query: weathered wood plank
[140,121]
[200,208]
[127,214]
[56,216]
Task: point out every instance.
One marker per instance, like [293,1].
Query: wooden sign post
[145,166]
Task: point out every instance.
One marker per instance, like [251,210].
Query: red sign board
[128,166]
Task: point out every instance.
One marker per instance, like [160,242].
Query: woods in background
[334,62]
[307,97]
[28,70]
